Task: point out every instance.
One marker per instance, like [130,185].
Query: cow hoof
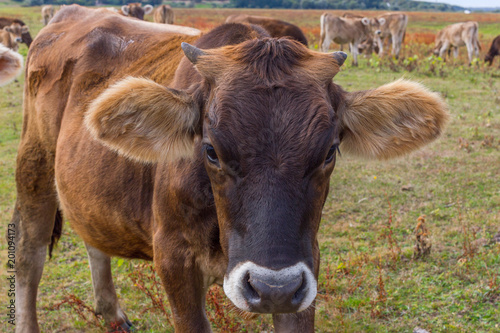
[123,327]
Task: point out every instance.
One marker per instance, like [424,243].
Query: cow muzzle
[19,40]
[259,289]
[378,32]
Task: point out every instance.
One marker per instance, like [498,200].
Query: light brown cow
[215,165]
[393,28]
[47,13]
[456,35]
[11,65]
[276,28]
[164,14]
[136,10]
[6,21]
[343,30]
[11,35]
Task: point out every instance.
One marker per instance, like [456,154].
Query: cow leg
[326,43]
[104,290]
[470,50]
[302,322]
[184,283]
[33,220]
[354,50]
[444,47]
[455,52]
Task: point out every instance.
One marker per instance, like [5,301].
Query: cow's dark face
[270,138]
[136,10]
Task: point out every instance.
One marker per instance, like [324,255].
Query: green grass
[365,284]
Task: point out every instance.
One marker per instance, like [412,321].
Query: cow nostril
[300,294]
[249,290]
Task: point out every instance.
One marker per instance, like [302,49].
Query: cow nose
[19,39]
[274,294]
[378,32]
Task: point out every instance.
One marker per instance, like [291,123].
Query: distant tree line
[295,4]
[347,4]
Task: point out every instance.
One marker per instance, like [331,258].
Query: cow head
[135,10]
[15,31]
[267,121]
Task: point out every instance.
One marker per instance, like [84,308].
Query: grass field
[371,278]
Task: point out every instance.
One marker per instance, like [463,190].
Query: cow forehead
[16,29]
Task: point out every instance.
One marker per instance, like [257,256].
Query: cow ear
[391,120]
[11,64]
[24,29]
[144,120]
[125,9]
[365,21]
[381,21]
[148,9]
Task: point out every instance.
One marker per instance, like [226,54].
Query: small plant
[422,241]
[84,311]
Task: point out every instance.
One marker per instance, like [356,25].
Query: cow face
[270,121]
[269,151]
[135,10]
[16,30]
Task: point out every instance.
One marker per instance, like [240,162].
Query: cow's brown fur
[11,35]
[11,65]
[174,206]
[5,21]
[493,51]
[275,27]
[164,14]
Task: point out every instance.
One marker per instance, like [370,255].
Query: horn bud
[192,52]
[339,57]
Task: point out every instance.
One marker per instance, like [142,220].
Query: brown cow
[276,28]
[11,65]
[494,50]
[371,43]
[164,14]
[47,13]
[26,37]
[11,35]
[393,28]
[456,35]
[136,10]
[215,165]
[343,30]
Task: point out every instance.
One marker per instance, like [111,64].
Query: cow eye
[331,153]
[211,154]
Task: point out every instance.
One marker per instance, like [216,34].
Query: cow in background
[275,28]
[11,65]
[47,14]
[343,30]
[136,10]
[164,14]
[26,36]
[370,44]
[11,35]
[493,51]
[456,35]
[393,28]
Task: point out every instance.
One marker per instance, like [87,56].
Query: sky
[470,3]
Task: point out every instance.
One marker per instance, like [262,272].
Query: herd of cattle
[359,32]
[209,154]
